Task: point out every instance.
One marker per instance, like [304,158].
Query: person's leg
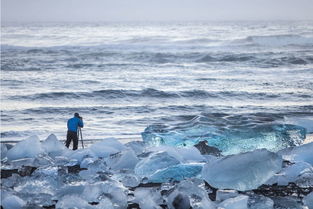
[75,141]
[68,139]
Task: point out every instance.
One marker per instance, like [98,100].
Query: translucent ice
[198,197]
[231,141]
[72,201]
[243,171]
[155,162]
[260,202]
[107,147]
[176,172]
[53,146]
[28,148]
[292,173]
[308,200]
[239,202]
[13,202]
[299,153]
[147,198]
[4,150]
[125,159]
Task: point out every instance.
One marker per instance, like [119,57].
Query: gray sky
[154,10]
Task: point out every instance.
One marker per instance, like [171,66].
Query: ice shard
[243,171]
[232,140]
[28,148]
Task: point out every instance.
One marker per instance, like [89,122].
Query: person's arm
[80,122]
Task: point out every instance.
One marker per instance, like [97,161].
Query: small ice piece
[176,172]
[260,202]
[155,162]
[147,198]
[222,195]
[128,180]
[299,153]
[308,200]
[291,173]
[125,159]
[72,201]
[198,197]
[13,202]
[106,147]
[243,171]
[53,146]
[28,148]
[239,202]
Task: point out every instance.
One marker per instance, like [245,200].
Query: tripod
[79,133]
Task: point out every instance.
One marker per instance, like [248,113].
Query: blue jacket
[74,123]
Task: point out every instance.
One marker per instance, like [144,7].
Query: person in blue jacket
[72,126]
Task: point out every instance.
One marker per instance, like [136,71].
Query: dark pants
[71,135]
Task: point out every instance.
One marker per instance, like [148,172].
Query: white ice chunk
[243,171]
[308,200]
[147,198]
[291,173]
[239,202]
[107,147]
[4,150]
[112,189]
[53,146]
[299,153]
[155,162]
[125,159]
[72,201]
[198,197]
[222,195]
[183,154]
[13,202]
[28,148]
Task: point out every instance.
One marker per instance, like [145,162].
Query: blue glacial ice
[244,171]
[273,137]
[170,163]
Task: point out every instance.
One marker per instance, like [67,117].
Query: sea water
[124,77]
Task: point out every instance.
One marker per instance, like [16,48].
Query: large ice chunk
[191,192]
[53,146]
[230,141]
[239,202]
[13,202]
[107,147]
[155,162]
[176,172]
[293,173]
[299,153]
[28,148]
[243,171]
[126,159]
[148,198]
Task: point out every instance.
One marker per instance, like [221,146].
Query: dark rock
[282,191]
[133,206]
[205,149]
[8,173]
[181,201]
[75,169]
[26,170]
[23,171]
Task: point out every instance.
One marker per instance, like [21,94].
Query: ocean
[124,76]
